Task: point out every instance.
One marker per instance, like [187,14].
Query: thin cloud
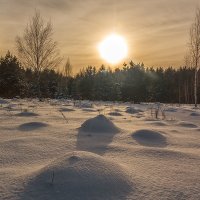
[156,30]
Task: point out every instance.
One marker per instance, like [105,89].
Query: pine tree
[12,79]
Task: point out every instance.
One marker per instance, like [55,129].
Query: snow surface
[58,150]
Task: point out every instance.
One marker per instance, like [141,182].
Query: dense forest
[132,82]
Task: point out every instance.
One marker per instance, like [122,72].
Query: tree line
[132,82]
[32,73]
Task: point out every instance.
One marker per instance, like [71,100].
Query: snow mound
[195,114]
[115,114]
[66,109]
[3,101]
[132,110]
[187,125]
[158,123]
[99,124]
[87,105]
[26,114]
[150,138]
[88,110]
[171,109]
[32,126]
[79,175]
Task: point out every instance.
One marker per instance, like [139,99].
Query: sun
[113,48]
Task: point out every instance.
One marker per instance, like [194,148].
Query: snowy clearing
[61,149]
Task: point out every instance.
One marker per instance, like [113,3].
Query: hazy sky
[156,30]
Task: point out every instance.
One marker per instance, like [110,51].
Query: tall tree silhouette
[36,48]
[68,69]
[195,49]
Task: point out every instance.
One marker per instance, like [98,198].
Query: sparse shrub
[158,110]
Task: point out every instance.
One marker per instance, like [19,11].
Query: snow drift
[115,114]
[150,138]
[79,175]
[132,110]
[32,126]
[187,124]
[99,124]
[26,114]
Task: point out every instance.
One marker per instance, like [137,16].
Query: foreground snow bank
[79,175]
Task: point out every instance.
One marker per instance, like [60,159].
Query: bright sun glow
[113,48]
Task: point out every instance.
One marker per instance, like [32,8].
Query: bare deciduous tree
[36,48]
[68,69]
[187,64]
[195,49]
[67,72]
[187,60]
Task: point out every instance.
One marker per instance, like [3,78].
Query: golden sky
[156,31]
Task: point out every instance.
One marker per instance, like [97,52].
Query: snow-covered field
[56,150]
